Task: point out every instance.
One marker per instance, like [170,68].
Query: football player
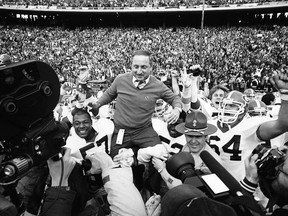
[257,108]
[250,93]
[238,134]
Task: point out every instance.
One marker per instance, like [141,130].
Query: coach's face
[141,67]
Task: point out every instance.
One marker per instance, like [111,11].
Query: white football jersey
[160,127]
[235,144]
[79,147]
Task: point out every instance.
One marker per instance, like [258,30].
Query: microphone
[215,167]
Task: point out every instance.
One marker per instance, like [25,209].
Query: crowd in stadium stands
[229,55]
[227,58]
[130,3]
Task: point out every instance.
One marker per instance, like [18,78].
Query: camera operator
[30,138]
[6,207]
[275,187]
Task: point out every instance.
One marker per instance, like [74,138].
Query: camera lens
[9,170]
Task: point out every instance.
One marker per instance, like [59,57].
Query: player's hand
[99,161]
[124,157]
[172,116]
[158,164]
[66,87]
[160,151]
[185,78]
[251,168]
[188,79]
[153,205]
[174,74]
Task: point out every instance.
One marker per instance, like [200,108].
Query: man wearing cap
[196,130]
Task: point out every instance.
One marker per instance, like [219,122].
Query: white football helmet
[250,93]
[160,108]
[233,106]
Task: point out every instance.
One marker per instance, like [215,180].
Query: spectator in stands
[255,82]
[66,53]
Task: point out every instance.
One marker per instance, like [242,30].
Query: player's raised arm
[190,87]
[271,129]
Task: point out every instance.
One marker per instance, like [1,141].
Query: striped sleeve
[248,186]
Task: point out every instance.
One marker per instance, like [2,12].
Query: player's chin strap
[225,126]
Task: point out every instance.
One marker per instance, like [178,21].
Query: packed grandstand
[228,53]
[236,59]
[138,3]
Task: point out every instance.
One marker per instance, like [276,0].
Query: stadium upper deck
[122,4]
[143,6]
[144,13]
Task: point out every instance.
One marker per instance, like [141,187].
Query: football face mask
[233,107]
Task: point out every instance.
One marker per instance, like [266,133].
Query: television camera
[29,92]
[220,185]
[269,164]
[268,161]
[181,166]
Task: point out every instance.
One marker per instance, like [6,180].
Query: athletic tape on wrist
[186,100]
